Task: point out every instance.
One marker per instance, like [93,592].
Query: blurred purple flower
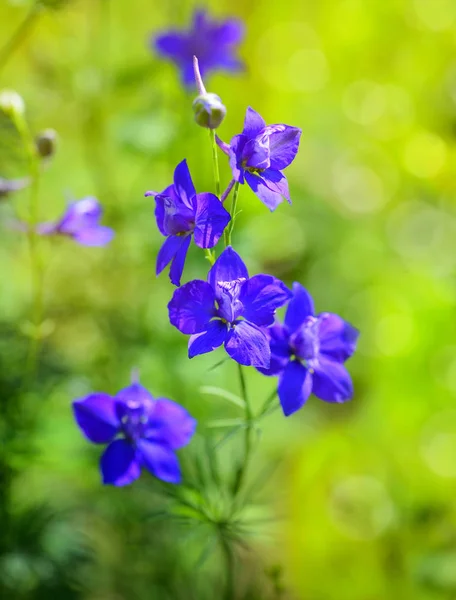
[80,222]
[230,309]
[180,213]
[258,155]
[141,432]
[213,42]
[308,352]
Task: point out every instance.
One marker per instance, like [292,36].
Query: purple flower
[141,431]
[81,222]
[258,155]
[181,212]
[213,42]
[308,352]
[230,309]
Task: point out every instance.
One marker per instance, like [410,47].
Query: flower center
[229,305]
[135,422]
[305,342]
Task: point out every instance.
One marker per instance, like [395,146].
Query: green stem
[229,567]
[230,227]
[19,35]
[215,162]
[32,236]
[247,435]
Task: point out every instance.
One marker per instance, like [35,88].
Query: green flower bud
[209,110]
[12,104]
[46,143]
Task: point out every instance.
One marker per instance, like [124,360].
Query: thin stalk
[229,568]
[247,435]
[268,404]
[19,35]
[227,192]
[215,162]
[230,227]
[35,257]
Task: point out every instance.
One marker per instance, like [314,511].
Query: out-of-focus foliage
[361,503]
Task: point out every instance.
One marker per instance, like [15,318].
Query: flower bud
[46,143]
[209,110]
[11,104]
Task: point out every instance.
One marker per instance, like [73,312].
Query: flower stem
[215,162]
[227,192]
[32,236]
[247,436]
[230,227]
[19,35]
[229,566]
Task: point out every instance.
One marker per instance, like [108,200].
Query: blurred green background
[354,502]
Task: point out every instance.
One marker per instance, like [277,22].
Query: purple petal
[118,464]
[183,184]
[283,144]
[228,267]
[258,185]
[331,381]
[253,123]
[192,307]
[83,214]
[168,251]
[94,236]
[135,396]
[208,340]
[261,295]
[235,153]
[96,417]
[159,460]
[280,349]
[231,32]
[171,45]
[248,345]
[276,182]
[337,337]
[177,266]
[161,215]
[299,308]
[172,424]
[210,220]
[295,385]
[224,147]
[255,154]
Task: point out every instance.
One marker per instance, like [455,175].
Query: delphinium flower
[180,213]
[230,309]
[260,153]
[213,42]
[81,221]
[141,431]
[308,353]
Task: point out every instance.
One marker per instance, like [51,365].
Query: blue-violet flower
[230,309]
[258,155]
[213,42]
[81,221]
[181,212]
[141,431]
[308,354]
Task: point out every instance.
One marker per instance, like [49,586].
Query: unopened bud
[11,104]
[209,110]
[46,143]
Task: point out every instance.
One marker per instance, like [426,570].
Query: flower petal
[228,267]
[299,308]
[96,417]
[331,381]
[248,345]
[119,465]
[172,425]
[255,154]
[167,252]
[192,307]
[261,295]
[276,182]
[230,32]
[210,220]
[235,153]
[283,144]
[177,266]
[295,386]
[94,236]
[160,214]
[337,337]
[208,340]
[135,396]
[183,183]
[260,188]
[159,460]
[280,349]
[253,123]
[80,215]
[171,45]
